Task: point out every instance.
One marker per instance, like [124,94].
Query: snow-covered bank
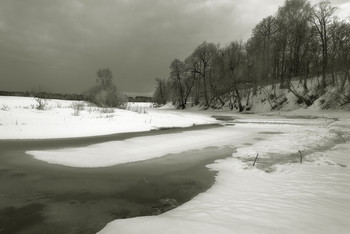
[308,198]
[143,148]
[278,195]
[19,119]
[312,197]
[293,133]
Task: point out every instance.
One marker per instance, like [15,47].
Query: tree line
[43,94]
[103,94]
[299,42]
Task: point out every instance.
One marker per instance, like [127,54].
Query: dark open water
[37,197]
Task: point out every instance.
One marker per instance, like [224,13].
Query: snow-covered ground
[140,148]
[277,195]
[19,119]
[308,198]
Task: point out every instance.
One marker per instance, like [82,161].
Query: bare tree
[104,78]
[294,32]
[322,17]
[203,57]
[39,96]
[298,42]
[161,93]
[234,64]
[182,78]
[193,82]
[104,93]
[177,76]
[263,37]
[340,50]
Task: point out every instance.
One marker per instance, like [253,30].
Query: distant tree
[161,93]
[105,78]
[105,93]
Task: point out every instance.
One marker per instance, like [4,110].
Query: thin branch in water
[301,156]
[255,159]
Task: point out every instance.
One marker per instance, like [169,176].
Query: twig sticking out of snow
[301,156]
[255,159]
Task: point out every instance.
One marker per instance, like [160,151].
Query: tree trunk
[248,96]
[205,92]
[238,98]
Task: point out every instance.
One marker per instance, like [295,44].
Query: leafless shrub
[41,103]
[138,109]
[5,108]
[77,107]
[106,110]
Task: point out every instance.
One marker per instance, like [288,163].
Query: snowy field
[277,195]
[19,119]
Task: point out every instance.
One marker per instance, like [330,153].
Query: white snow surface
[19,119]
[308,198]
[283,196]
[141,148]
[312,197]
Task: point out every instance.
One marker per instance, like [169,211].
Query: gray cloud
[60,44]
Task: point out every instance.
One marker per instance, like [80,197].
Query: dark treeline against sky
[59,45]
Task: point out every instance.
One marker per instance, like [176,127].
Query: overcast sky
[60,44]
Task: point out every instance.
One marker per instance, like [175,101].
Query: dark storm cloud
[59,45]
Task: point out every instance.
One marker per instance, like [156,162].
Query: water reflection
[37,197]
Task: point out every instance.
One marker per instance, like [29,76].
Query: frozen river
[37,197]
